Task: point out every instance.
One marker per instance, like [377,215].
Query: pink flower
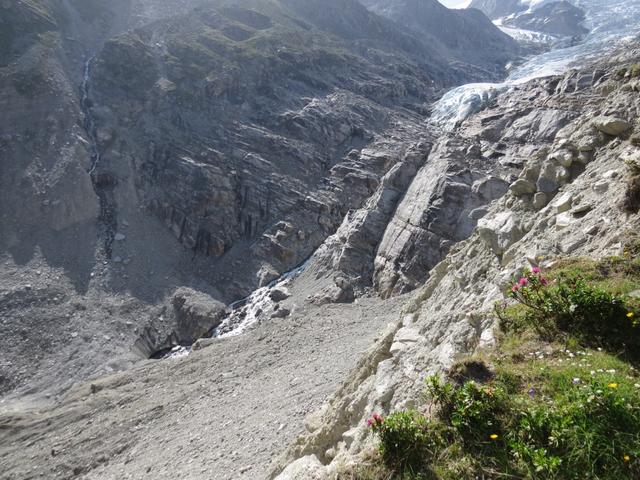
[375,419]
[515,288]
[536,270]
[523,282]
[544,281]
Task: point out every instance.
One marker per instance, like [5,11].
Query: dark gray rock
[466,35]
[495,9]
[279,294]
[555,18]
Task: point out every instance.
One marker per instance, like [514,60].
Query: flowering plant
[569,305]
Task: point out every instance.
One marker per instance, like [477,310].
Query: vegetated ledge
[557,397]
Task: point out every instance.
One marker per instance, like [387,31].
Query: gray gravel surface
[221,413]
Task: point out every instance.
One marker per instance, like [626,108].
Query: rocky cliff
[537,175]
[150,145]
[569,140]
[161,159]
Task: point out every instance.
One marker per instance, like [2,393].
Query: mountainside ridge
[546,136]
[160,160]
[567,202]
[160,144]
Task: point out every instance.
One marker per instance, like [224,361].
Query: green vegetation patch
[594,302]
[559,398]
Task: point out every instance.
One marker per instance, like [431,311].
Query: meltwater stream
[103,182]
[89,122]
[611,23]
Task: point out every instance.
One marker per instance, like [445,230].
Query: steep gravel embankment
[220,413]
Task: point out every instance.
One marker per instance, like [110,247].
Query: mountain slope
[555,18]
[465,35]
[233,403]
[149,145]
[567,202]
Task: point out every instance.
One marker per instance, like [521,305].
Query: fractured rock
[522,187]
[611,125]
[501,231]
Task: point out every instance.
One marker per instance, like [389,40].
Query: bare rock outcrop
[451,314]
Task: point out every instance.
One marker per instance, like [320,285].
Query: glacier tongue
[611,23]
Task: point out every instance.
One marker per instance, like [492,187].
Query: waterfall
[89,122]
[103,182]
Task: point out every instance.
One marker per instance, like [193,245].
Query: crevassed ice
[611,24]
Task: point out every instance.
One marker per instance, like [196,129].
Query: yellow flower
[613,385]
[626,458]
[493,436]
[630,315]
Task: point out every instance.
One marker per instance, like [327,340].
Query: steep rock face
[243,127]
[466,35]
[452,190]
[556,18]
[440,208]
[451,314]
[498,8]
[149,145]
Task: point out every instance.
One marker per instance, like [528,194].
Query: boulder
[196,314]
[563,203]
[540,200]
[305,468]
[601,187]
[611,125]
[490,188]
[522,187]
[279,294]
[531,170]
[501,231]
[280,312]
[563,157]
[563,220]
[203,343]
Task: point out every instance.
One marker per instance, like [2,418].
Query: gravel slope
[223,412]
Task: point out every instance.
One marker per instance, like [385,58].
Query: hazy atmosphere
[319,239]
